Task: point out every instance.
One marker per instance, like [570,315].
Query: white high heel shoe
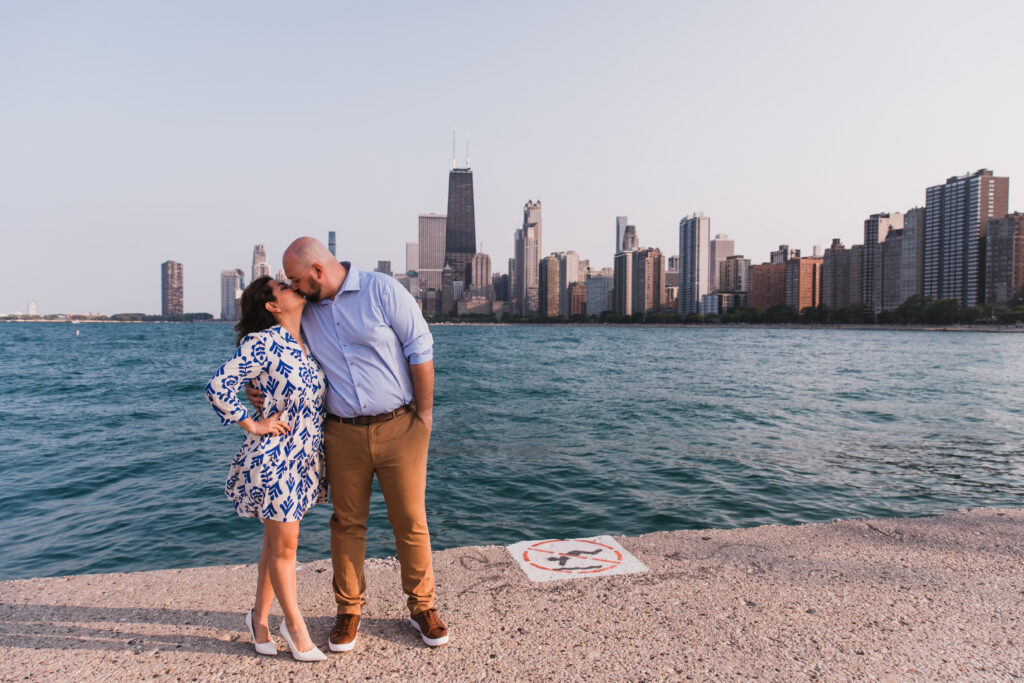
[313,655]
[268,648]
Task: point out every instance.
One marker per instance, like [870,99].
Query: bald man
[369,336]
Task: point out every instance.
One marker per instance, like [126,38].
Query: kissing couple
[339,366]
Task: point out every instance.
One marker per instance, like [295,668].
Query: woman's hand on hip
[271,425]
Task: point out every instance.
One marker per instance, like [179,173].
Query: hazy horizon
[134,133]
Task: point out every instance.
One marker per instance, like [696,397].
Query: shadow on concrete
[125,629]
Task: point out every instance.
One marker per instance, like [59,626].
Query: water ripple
[113,461]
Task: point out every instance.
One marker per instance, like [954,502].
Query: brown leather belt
[364,420]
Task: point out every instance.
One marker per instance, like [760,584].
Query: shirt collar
[351,283]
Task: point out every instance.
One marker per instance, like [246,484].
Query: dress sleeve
[248,362]
[407,321]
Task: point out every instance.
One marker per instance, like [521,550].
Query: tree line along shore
[917,311]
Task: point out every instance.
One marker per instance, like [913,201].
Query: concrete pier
[910,599]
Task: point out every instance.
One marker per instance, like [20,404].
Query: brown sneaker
[432,629]
[343,635]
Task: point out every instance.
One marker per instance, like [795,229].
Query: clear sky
[136,132]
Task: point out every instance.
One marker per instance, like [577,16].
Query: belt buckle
[362,420]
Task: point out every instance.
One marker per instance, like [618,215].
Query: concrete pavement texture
[936,598]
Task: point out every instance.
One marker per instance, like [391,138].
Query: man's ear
[318,270]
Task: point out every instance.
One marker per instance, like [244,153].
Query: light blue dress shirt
[365,339]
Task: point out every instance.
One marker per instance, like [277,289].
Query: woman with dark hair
[279,472]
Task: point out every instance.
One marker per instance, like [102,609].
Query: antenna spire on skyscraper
[453,148]
[467,151]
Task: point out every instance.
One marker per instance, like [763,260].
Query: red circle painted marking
[572,556]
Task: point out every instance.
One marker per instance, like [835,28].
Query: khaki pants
[395,451]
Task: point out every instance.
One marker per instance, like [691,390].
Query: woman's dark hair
[253,307]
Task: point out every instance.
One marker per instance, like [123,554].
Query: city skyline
[795,122]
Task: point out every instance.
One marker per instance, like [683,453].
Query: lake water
[112,459]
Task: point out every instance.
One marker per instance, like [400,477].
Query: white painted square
[574,558]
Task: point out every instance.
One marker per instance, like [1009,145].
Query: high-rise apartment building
[232,282]
[956,220]
[172,288]
[480,285]
[568,273]
[432,228]
[548,287]
[260,264]
[460,229]
[876,228]
[412,257]
[767,286]
[672,271]
[332,243]
[803,283]
[577,299]
[648,288]
[719,249]
[835,276]
[889,287]
[527,257]
[599,294]
[734,274]
[912,254]
[694,262]
[1004,262]
[622,292]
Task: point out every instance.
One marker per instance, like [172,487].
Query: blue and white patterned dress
[275,477]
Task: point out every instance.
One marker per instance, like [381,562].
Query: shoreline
[600,325]
[919,598]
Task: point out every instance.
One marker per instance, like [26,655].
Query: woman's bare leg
[283,542]
[264,595]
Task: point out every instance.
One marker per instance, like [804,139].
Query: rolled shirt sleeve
[405,318]
[222,390]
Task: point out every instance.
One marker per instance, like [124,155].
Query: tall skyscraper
[648,285]
[332,243]
[1004,262]
[803,283]
[431,250]
[720,249]
[956,220]
[835,276]
[890,270]
[384,267]
[620,233]
[480,282]
[876,228]
[767,286]
[260,264]
[527,257]
[622,292]
[547,292]
[734,274]
[599,294]
[694,261]
[460,230]
[568,273]
[172,288]
[412,257]
[912,254]
[232,282]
